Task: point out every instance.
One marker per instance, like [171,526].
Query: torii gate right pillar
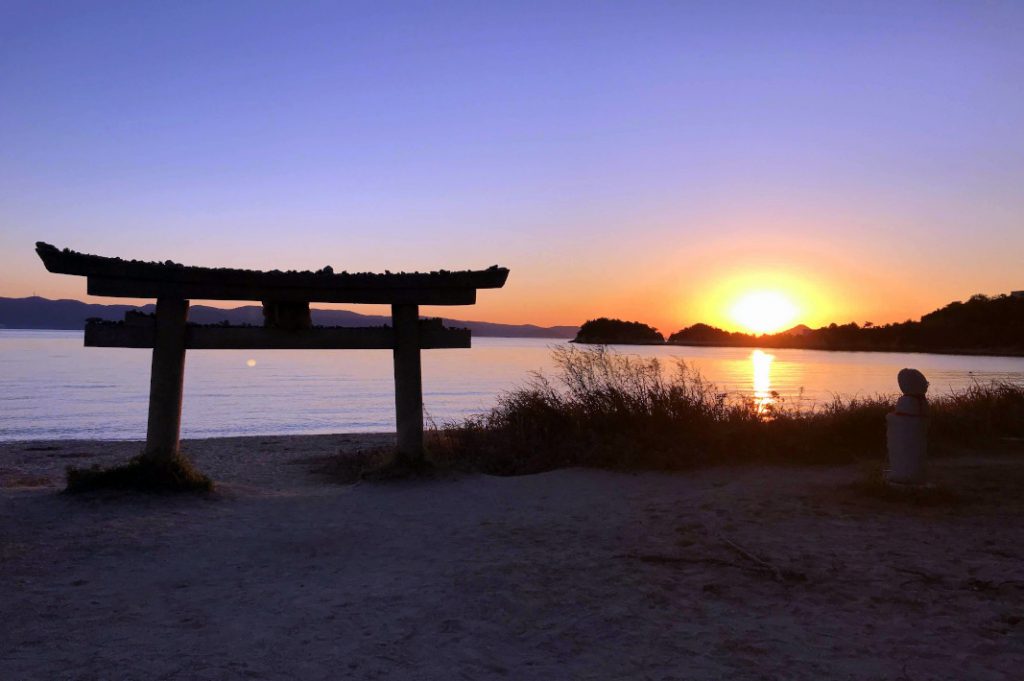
[408,382]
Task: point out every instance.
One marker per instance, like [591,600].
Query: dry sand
[730,573]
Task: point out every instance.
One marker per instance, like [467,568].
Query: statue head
[912,382]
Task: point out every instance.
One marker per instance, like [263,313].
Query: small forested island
[983,325]
[615,331]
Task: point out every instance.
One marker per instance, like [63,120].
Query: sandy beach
[738,573]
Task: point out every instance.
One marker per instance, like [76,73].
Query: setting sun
[764,311]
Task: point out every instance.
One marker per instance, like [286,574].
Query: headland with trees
[982,325]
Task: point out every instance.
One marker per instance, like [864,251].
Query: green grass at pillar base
[141,474]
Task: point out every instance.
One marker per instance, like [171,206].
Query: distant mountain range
[42,313]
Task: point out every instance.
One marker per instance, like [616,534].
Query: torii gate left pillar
[167,378]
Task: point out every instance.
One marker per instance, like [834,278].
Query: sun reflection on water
[764,396]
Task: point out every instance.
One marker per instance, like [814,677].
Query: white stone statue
[907,430]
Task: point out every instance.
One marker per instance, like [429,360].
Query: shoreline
[953,352]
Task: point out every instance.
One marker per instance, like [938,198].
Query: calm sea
[52,387]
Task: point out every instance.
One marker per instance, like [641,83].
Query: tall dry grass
[609,410]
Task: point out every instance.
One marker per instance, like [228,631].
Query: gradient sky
[648,161]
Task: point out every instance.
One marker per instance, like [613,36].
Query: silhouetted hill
[981,325]
[798,330]
[616,331]
[42,313]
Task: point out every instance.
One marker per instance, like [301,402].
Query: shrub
[979,412]
[616,411]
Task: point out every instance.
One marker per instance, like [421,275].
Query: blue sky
[629,159]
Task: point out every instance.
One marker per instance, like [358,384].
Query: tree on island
[705,334]
[616,331]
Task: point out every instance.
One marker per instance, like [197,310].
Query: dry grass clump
[141,474]
[618,411]
[979,412]
[379,464]
[875,486]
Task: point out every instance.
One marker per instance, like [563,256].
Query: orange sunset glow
[764,311]
[764,300]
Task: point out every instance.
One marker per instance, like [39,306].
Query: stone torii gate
[287,325]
